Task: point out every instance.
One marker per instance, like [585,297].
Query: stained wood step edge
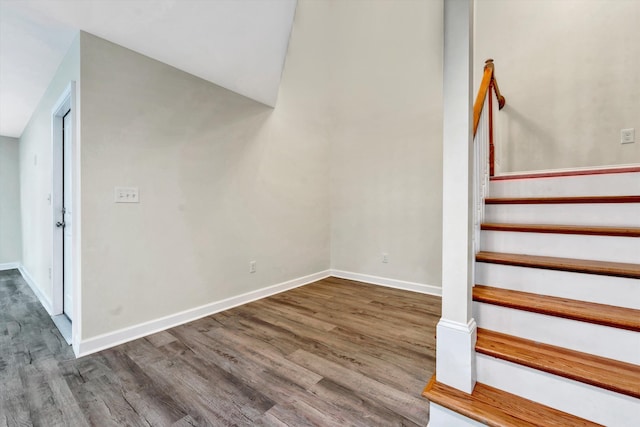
[609,374]
[557,174]
[600,314]
[606,268]
[560,200]
[497,408]
[563,229]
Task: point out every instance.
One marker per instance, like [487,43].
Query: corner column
[456,330]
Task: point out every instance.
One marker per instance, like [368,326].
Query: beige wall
[10,235]
[386,138]
[35,176]
[569,72]
[348,162]
[223,180]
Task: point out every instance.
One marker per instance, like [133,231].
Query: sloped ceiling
[237,44]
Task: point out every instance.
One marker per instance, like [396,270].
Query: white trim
[76,226]
[46,302]
[574,169]
[63,324]
[9,266]
[65,102]
[422,288]
[69,99]
[101,342]
[111,339]
[460,327]
[455,354]
[439,416]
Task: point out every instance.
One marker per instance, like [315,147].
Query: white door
[67,307]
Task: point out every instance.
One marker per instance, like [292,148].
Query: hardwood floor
[334,352]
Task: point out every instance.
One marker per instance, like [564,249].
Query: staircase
[557,303]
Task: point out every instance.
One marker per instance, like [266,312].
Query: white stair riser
[440,416]
[595,214]
[593,403]
[612,343]
[618,291]
[601,248]
[617,184]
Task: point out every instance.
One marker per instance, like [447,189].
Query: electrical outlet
[252,266]
[627,136]
[126,195]
[385,257]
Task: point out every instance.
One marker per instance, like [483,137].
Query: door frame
[67,101]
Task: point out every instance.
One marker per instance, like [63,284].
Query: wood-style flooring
[332,353]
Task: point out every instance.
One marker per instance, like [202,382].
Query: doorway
[62,203]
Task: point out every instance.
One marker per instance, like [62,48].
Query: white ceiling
[238,44]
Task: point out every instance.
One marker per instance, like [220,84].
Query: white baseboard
[9,266]
[390,283]
[46,303]
[102,342]
[111,339]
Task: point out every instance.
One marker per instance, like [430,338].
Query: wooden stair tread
[607,315]
[560,200]
[607,268]
[569,173]
[497,408]
[564,229]
[598,371]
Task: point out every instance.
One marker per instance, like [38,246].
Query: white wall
[386,136]
[10,234]
[223,180]
[569,72]
[36,174]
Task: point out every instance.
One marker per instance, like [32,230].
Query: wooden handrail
[488,81]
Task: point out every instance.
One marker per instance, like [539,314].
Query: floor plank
[335,352]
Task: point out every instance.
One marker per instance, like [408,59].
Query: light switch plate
[627,136]
[126,195]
